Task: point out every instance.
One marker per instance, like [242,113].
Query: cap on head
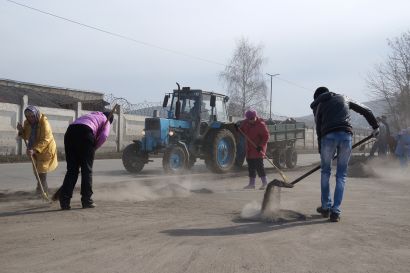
[107,114]
[321,90]
[250,114]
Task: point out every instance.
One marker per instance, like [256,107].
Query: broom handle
[37,175]
[264,155]
[108,119]
[318,167]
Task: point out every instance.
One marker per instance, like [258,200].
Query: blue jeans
[340,142]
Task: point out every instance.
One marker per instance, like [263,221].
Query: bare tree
[390,80]
[243,76]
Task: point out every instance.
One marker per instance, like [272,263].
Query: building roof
[10,94]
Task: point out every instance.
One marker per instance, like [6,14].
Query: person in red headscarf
[255,129]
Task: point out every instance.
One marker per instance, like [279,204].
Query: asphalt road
[203,222]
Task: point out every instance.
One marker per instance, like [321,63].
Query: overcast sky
[310,43]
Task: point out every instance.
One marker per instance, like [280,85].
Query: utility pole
[270,102]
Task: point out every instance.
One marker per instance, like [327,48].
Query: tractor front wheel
[132,160]
[175,159]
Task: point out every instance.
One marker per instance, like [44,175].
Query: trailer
[282,142]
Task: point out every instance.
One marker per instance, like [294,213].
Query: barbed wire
[142,109]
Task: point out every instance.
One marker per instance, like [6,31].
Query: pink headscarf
[250,114]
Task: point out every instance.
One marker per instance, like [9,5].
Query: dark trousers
[255,165]
[79,152]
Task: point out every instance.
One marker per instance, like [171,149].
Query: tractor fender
[184,146]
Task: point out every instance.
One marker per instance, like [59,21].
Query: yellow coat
[45,146]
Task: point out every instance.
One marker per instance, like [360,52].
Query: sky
[309,43]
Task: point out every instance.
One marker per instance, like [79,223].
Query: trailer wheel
[291,158]
[279,158]
[174,160]
[222,152]
[132,160]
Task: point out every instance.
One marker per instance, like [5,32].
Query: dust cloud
[252,210]
[377,167]
[132,191]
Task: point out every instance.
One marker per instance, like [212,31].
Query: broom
[43,193]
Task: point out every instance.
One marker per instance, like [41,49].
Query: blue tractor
[197,127]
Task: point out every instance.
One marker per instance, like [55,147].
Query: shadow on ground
[250,226]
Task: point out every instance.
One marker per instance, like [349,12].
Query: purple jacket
[96,121]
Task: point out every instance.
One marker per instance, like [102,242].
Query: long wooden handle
[43,193]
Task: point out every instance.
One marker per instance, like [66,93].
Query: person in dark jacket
[255,129]
[83,137]
[334,135]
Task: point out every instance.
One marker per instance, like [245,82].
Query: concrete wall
[124,128]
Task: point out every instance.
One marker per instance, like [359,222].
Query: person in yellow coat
[41,145]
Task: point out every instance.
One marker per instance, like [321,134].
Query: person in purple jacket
[82,138]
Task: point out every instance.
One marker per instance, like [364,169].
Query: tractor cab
[197,106]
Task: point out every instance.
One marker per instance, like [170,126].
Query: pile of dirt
[359,166]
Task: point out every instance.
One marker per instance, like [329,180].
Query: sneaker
[325,212]
[334,217]
[262,187]
[89,205]
[249,187]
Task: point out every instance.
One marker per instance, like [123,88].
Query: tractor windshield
[190,104]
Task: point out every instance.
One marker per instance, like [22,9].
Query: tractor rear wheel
[222,151]
[175,159]
[132,160]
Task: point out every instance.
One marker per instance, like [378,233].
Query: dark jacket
[259,134]
[332,114]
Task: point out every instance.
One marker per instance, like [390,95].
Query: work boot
[251,185]
[88,203]
[64,204]
[264,182]
[334,217]
[325,212]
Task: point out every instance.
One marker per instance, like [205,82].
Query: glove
[376,132]
[259,149]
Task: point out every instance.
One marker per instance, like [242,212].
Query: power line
[294,84]
[136,41]
[116,34]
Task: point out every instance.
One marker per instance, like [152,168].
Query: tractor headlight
[171,133]
[143,132]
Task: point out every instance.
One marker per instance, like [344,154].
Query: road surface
[155,222]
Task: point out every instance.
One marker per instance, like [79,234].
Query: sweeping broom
[56,195]
[33,162]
